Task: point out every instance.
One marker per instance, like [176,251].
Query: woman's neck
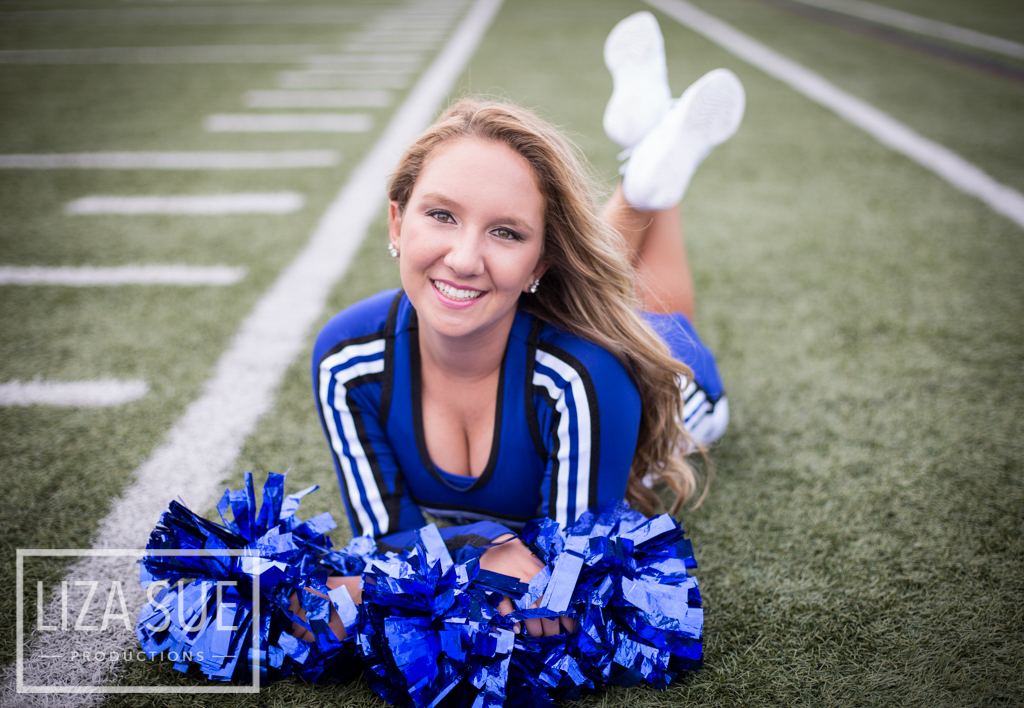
[469,358]
[459,380]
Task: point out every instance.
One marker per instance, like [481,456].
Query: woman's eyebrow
[440,198]
[450,203]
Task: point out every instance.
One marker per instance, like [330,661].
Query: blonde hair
[588,289]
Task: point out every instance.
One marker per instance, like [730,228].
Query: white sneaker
[660,167]
[635,55]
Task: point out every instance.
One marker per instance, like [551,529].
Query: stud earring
[392,250]
[534,285]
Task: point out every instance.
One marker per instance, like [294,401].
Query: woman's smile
[461,296]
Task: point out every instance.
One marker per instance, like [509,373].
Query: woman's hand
[515,559]
[351,582]
[512,558]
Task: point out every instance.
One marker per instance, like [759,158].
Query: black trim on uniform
[362,339]
[556,464]
[389,360]
[474,540]
[531,410]
[595,415]
[383,547]
[697,388]
[455,543]
[474,510]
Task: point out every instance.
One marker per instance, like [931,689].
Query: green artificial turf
[973,113]
[861,544]
[62,467]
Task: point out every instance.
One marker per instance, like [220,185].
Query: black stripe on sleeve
[595,415]
[556,466]
[531,410]
[389,360]
[323,422]
[392,500]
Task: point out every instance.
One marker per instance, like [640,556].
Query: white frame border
[22,553]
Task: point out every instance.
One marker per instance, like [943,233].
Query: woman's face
[470,237]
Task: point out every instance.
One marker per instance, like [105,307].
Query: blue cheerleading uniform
[429,629]
[564,435]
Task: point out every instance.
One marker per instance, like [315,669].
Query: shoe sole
[635,55]
[706,115]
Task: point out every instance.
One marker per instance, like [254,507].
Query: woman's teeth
[455,293]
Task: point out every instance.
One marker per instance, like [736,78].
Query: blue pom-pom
[205,612]
[428,631]
[637,608]
[431,629]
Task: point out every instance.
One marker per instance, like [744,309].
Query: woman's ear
[540,270]
[538,273]
[395,223]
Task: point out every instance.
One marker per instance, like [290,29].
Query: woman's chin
[464,322]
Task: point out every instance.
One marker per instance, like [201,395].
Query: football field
[189,189]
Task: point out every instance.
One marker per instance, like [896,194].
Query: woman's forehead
[474,172]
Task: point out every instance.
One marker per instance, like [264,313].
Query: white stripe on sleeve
[566,471]
[355,462]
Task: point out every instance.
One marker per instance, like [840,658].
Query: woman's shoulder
[572,356]
[361,321]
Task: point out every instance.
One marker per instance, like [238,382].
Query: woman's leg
[666,141]
[657,251]
[656,177]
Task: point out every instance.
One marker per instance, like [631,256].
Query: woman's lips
[453,295]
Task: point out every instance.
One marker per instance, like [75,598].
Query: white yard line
[347,79]
[203,444]
[289,123]
[405,24]
[90,276]
[288,159]
[356,60]
[191,16]
[390,47]
[356,70]
[198,204]
[389,37]
[407,58]
[72,394]
[237,54]
[960,173]
[920,25]
[318,99]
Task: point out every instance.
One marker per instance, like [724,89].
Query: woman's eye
[443,216]
[506,234]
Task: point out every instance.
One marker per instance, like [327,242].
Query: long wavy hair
[588,288]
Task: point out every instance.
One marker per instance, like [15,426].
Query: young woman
[539,359]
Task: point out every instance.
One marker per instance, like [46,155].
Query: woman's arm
[350,373]
[511,557]
[351,583]
[588,413]
[514,558]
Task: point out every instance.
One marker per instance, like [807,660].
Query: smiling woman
[537,369]
[539,359]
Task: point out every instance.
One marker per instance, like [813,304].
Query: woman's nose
[465,254]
